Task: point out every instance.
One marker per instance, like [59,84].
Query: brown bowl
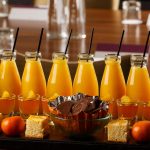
[79,125]
[79,114]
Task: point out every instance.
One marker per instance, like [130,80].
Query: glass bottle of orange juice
[59,81]
[33,79]
[9,76]
[112,85]
[85,80]
[138,83]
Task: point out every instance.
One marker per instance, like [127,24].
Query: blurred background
[98,4]
[106,16]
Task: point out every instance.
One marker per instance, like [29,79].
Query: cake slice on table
[37,126]
[118,130]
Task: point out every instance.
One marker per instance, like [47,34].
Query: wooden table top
[108,29]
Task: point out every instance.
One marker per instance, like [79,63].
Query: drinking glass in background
[64,15]
[77,18]
[4,10]
[131,12]
[57,16]
[6,38]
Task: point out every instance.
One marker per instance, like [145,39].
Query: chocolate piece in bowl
[65,107]
[86,104]
[93,104]
[80,106]
[104,109]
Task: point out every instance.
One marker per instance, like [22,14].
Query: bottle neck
[138,61]
[112,59]
[8,55]
[84,57]
[32,56]
[59,57]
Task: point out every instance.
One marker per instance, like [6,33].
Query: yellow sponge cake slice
[118,130]
[37,126]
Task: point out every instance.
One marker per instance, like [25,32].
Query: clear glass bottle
[138,83]
[85,80]
[112,86]
[113,82]
[59,81]
[33,79]
[33,76]
[9,75]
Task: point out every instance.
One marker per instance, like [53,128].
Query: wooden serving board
[59,142]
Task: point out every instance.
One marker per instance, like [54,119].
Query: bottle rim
[126,4]
[60,55]
[112,56]
[32,54]
[138,60]
[7,54]
[86,56]
[138,56]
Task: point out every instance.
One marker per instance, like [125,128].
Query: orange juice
[131,113]
[138,84]
[59,80]
[9,75]
[113,83]
[146,111]
[7,104]
[45,106]
[29,106]
[85,80]
[33,78]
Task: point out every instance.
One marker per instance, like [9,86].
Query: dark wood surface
[108,29]
[58,141]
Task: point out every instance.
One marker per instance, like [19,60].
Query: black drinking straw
[91,41]
[120,43]
[16,37]
[68,41]
[38,49]
[145,49]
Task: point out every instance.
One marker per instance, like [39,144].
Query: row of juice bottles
[112,86]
